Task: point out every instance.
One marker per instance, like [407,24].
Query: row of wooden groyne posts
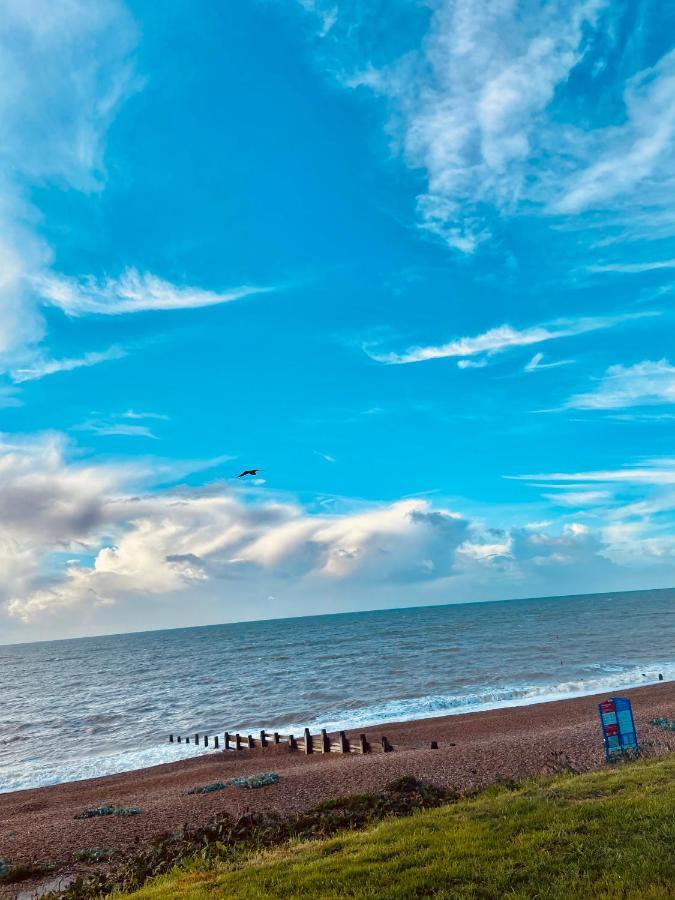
[309,743]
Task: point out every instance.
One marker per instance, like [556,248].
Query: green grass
[605,834]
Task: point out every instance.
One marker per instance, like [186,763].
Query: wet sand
[474,749]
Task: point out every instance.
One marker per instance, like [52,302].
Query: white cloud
[325,456]
[134,414]
[57,99]
[77,537]
[633,268]
[469,112]
[652,472]
[578,499]
[132,292]
[639,153]
[488,110]
[536,364]
[116,429]
[646,383]
[505,337]
[40,368]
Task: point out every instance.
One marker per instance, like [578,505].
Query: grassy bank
[604,834]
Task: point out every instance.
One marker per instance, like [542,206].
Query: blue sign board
[618,727]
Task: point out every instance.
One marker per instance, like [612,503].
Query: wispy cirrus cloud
[493,140]
[638,153]
[131,292]
[126,424]
[40,368]
[116,429]
[632,268]
[536,364]
[647,383]
[503,338]
[134,414]
[57,100]
[649,472]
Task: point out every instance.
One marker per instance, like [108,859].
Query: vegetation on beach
[228,839]
[252,781]
[605,834]
[108,809]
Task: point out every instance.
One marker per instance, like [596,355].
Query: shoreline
[475,749]
[335,725]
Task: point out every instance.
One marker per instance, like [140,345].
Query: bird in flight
[249,472]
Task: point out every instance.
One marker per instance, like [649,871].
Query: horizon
[424,295]
[354,612]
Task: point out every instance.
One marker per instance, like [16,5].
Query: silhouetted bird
[249,472]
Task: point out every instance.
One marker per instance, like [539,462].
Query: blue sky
[414,261]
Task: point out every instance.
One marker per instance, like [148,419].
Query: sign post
[618,728]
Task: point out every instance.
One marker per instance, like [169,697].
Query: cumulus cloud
[504,337]
[80,536]
[646,383]
[132,292]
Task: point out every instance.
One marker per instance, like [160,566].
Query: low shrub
[108,810]
[255,781]
[207,788]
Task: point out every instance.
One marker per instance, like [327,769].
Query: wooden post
[325,741]
[250,741]
[363,743]
[276,737]
[206,740]
[292,743]
[434,745]
[215,742]
[263,738]
[171,739]
[187,740]
[197,739]
[309,746]
[179,739]
[344,743]
[237,741]
[386,746]
[227,740]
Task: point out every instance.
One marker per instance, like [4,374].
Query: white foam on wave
[435,705]
[77,769]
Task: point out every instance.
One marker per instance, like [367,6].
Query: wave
[346,717]
[434,705]
[43,774]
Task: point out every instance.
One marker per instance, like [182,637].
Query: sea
[73,709]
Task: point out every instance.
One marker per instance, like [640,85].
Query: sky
[414,260]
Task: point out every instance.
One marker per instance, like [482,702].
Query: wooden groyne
[307,743]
